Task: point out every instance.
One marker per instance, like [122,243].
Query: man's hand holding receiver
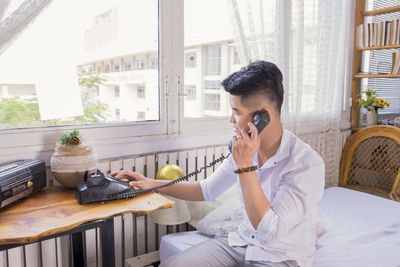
[245,147]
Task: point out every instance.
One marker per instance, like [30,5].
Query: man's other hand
[136,180]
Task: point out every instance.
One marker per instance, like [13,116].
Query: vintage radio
[20,179]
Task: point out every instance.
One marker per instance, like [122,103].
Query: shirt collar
[282,153]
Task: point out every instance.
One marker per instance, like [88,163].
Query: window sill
[123,147]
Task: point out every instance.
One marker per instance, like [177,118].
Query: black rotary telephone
[261,119]
[100,187]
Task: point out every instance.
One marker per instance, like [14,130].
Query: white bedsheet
[360,230]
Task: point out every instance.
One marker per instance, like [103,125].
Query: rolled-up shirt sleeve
[300,190]
[218,182]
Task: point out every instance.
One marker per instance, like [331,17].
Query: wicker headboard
[371,161]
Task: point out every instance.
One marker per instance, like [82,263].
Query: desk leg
[107,242]
[77,246]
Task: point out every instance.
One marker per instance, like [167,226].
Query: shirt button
[275,163]
[252,236]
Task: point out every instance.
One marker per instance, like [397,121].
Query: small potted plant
[71,159]
[371,103]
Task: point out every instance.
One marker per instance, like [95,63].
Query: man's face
[241,115]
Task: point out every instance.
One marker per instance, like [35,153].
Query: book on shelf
[382,33]
[398,32]
[365,34]
[395,62]
[387,33]
[379,34]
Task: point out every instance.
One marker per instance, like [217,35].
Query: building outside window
[116,91]
[213,60]
[141,116]
[141,92]
[212,85]
[190,92]
[190,59]
[107,67]
[154,63]
[116,67]
[140,64]
[235,56]
[117,114]
[212,102]
[128,65]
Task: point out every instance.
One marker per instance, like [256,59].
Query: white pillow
[199,209]
[216,219]
[227,218]
[224,219]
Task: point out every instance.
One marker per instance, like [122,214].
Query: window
[154,63]
[190,60]
[61,88]
[128,65]
[141,92]
[122,54]
[116,91]
[116,67]
[190,92]
[140,64]
[212,85]
[141,116]
[213,58]
[235,56]
[208,47]
[212,102]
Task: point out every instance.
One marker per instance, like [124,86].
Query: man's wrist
[244,165]
[246,169]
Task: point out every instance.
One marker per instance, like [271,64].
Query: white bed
[360,230]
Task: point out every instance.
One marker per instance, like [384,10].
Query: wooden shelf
[377,76]
[378,47]
[360,15]
[381,11]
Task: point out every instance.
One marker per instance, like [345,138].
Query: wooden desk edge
[31,239]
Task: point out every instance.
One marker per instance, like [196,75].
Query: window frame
[33,142]
[110,140]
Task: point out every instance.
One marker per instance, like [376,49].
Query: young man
[279,195]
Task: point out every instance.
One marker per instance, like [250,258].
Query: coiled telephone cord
[131,192]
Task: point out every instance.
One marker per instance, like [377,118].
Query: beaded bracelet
[248,169]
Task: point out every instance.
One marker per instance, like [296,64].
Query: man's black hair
[258,78]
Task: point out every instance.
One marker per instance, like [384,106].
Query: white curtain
[308,40]
[15,16]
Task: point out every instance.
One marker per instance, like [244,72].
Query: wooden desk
[55,211]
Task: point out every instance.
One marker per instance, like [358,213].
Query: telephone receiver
[261,119]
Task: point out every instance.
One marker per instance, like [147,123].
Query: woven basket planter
[70,162]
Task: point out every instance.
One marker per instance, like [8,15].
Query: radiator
[139,235]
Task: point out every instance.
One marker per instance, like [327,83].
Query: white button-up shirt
[293,181]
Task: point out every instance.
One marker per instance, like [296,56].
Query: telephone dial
[100,187]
